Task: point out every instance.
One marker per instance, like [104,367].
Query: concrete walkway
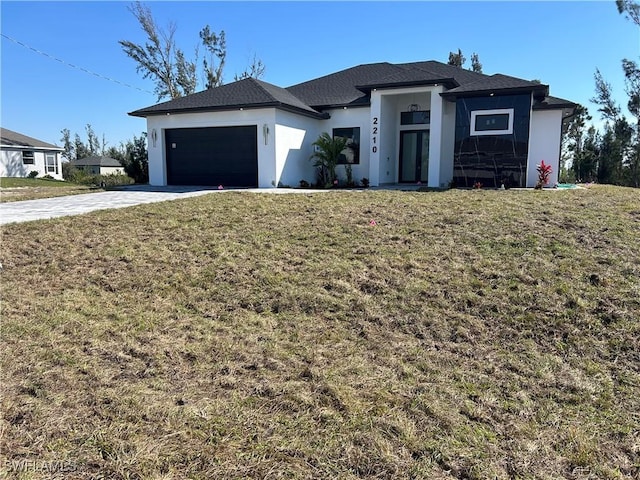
[28,210]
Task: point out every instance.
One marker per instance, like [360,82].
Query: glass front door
[414,156]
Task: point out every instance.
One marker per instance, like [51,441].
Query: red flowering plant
[544,171]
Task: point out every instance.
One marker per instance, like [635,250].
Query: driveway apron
[28,210]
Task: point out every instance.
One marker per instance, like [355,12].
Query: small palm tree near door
[326,155]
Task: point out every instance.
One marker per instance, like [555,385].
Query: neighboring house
[20,155]
[98,165]
[424,122]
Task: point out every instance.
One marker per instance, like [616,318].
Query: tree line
[132,154]
[613,154]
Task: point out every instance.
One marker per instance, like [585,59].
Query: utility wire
[72,65]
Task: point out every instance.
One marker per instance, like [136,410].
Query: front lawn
[14,189]
[449,335]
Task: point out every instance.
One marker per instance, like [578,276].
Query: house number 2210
[374,139]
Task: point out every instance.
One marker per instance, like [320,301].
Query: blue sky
[560,43]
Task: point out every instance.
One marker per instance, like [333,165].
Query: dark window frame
[413,117]
[353,145]
[30,160]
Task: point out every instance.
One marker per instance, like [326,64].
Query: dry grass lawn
[467,335]
[17,189]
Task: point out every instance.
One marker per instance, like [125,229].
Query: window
[351,154]
[28,158]
[51,164]
[419,117]
[492,122]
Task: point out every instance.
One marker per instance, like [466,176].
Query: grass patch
[12,182]
[468,334]
[13,189]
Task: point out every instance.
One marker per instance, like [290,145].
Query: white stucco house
[424,122]
[21,155]
[98,165]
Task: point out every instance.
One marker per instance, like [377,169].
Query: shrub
[106,181]
[544,171]
[349,172]
[48,177]
[115,179]
[33,174]
[304,184]
[68,171]
[326,157]
[365,182]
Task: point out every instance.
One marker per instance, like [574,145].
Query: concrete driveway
[28,210]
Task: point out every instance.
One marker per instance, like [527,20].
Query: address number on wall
[374,138]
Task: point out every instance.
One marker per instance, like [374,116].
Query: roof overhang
[31,147]
[555,106]
[538,92]
[447,82]
[344,106]
[227,108]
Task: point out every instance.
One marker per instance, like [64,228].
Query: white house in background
[424,122]
[21,155]
[97,165]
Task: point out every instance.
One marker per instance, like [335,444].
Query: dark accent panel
[212,156]
[492,159]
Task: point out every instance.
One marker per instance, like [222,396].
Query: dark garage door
[213,156]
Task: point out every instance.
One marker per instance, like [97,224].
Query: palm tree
[326,155]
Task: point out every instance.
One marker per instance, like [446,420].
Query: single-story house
[425,122]
[20,155]
[98,165]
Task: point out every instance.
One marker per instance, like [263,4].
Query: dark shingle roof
[15,139]
[350,87]
[96,161]
[443,70]
[247,93]
[551,103]
[497,83]
[408,77]
[340,88]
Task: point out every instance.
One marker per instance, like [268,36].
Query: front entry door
[414,156]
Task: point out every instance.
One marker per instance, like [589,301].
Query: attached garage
[212,156]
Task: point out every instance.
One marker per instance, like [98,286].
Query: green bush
[106,181]
[68,171]
[115,179]
[33,174]
[326,155]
